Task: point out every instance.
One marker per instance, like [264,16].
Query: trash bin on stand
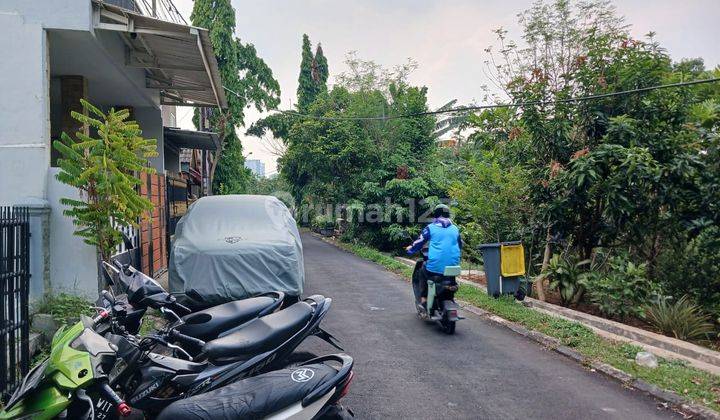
[504,264]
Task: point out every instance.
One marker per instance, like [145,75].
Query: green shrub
[323,221]
[66,308]
[692,268]
[567,276]
[682,319]
[623,289]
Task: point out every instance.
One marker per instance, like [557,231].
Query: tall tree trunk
[539,285]
[211,176]
[218,152]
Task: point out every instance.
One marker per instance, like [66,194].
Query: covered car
[232,247]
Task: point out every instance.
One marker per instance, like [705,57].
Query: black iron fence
[14,287]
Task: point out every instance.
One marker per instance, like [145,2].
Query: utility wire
[507,105]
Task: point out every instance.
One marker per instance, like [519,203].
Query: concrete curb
[682,348]
[663,346]
[673,400]
[676,401]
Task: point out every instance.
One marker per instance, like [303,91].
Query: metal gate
[177,201]
[14,287]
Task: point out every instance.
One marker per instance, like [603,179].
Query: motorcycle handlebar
[107,295]
[186,339]
[182,308]
[123,409]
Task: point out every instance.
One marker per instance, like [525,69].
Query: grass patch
[152,321]
[378,257]
[693,384]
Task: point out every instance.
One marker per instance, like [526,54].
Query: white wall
[25,118]
[24,110]
[63,14]
[73,263]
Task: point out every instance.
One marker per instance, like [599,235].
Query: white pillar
[39,210]
[24,110]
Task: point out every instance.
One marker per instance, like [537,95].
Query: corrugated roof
[189,139]
[178,59]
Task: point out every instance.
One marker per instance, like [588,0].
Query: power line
[508,105]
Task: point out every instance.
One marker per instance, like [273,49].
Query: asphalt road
[405,368]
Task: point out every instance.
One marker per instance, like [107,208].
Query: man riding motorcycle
[444,247]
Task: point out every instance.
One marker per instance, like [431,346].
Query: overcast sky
[446,38]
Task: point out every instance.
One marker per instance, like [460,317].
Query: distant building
[256,166]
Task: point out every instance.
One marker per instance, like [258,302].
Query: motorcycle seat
[209,323]
[252,398]
[259,335]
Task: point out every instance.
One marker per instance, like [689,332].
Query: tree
[323,72]
[231,175]
[364,163]
[307,86]
[628,172]
[104,170]
[312,81]
[247,80]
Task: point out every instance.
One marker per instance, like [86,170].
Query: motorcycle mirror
[109,296]
[110,273]
[127,242]
[165,310]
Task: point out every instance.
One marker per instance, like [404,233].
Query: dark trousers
[423,275]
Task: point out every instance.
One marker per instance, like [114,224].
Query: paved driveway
[408,369]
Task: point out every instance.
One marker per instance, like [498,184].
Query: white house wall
[24,109]
[52,14]
[73,263]
[44,37]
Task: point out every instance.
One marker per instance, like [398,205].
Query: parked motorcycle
[440,306]
[314,390]
[160,380]
[81,363]
[86,374]
[135,292]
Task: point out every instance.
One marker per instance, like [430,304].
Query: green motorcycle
[81,362]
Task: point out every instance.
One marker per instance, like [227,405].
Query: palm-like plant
[565,275]
[683,319]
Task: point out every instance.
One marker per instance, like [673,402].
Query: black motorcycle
[160,380]
[134,292]
[440,306]
[86,377]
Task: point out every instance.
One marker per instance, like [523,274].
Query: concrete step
[660,345]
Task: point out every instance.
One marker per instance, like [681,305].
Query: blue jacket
[445,245]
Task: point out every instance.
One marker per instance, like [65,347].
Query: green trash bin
[498,284]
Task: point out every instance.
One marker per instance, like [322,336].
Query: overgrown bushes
[323,222]
[635,177]
[622,288]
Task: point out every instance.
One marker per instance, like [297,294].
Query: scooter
[440,306]
[160,380]
[135,292]
[82,379]
[314,390]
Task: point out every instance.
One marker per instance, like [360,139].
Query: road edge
[674,401]
[677,402]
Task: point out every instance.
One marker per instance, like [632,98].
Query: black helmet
[441,210]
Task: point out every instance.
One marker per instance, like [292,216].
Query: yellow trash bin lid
[512,260]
